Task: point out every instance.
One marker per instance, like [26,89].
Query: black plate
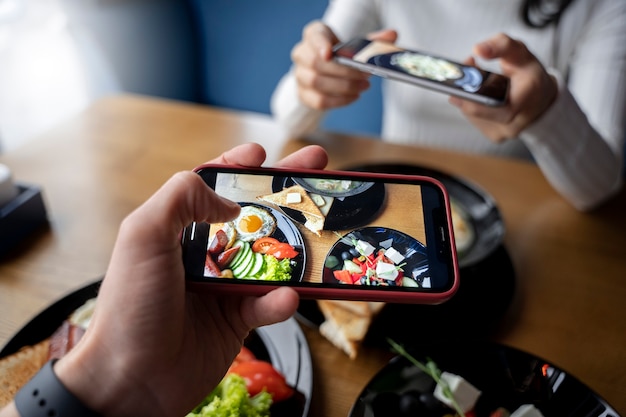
[506,377]
[305,183]
[286,231]
[484,216]
[485,293]
[345,213]
[413,250]
[282,344]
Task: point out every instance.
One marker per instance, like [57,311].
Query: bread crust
[347,322]
[17,369]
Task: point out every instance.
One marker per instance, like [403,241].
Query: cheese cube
[394,255]
[463,392]
[386,271]
[364,248]
[293,198]
[527,410]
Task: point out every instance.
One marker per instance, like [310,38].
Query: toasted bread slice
[347,322]
[363,308]
[304,204]
[314,223]
[17,369]
[353,326]
[334,334]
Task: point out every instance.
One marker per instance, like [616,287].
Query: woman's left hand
[531,92]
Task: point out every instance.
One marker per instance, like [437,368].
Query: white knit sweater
[578,143]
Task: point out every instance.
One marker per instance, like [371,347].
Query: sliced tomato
[244,355]
[261,375]
[343,276]
[263,244]
[282,250]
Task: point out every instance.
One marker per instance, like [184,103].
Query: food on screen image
[322,204]
[297,198]
[251,247]
[378,257]
[426,66]
[254,223]
[333,187]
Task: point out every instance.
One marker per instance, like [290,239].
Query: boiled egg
[253,223]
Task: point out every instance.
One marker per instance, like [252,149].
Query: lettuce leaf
[231,399]
[275,270]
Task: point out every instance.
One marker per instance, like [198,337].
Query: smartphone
[425,70]
[327,234]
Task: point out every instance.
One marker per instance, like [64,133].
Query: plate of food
[279,350]
[333,187]
[377,256]
[260,236]
[478,224]
[326,211]
[479,379]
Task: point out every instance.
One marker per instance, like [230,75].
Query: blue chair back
[245,47]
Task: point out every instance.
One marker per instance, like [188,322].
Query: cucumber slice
[244,265]
[257,266]
[241,254]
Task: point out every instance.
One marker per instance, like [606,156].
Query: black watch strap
[45,395]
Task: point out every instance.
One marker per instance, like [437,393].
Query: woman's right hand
[322,83]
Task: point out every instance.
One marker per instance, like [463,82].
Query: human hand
[322,83]
[153,348]
[531,92]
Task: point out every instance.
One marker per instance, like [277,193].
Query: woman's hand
[152,347]
[531,93]
[322,83]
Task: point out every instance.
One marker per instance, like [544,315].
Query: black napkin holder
[21,217]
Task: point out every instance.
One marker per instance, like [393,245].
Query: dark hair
[542,13]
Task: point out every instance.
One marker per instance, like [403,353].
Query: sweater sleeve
[573,157]
[579,142]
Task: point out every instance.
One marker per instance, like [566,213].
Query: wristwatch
[46,396]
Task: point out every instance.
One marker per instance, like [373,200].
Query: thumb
[322,39]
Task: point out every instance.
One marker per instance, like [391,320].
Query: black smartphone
[425,70]
[328,234]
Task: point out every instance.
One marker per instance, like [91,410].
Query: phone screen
[427,70]
[326,231]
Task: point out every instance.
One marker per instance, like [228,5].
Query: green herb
[431,369]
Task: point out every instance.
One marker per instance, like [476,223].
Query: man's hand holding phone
[152,345]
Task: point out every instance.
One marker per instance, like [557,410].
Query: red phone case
[316,249]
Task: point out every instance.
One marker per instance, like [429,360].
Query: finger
[473,110]
[385,35]
[321,39]
[249,155]
[309,157]
[183,199]
[276,306]
[316,100]
[504,47]
[305,59]
[340,83]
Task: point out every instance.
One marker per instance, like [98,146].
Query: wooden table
[570,301]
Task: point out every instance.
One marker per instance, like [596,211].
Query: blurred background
[57,56]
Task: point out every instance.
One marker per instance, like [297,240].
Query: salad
[383,263]
[249,389]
